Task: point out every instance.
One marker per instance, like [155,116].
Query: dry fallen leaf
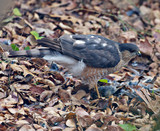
[145,47]
[25,127]
[64,95]
[71,123]
[45,95]
[83,117]
[35,98]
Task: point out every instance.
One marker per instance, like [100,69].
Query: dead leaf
[64,95]
[114,128]
[16,67]
[93,128]
[108,119]
[83,117]
[145,47]
[129,36]
[47,82]
[25,127]
[152,104]
[80,94]
[71,123]
[45,95]
[31,39]
[36,90]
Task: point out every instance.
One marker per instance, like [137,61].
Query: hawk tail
[31,53]
[52,44]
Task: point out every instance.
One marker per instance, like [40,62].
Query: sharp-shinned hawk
[87,57]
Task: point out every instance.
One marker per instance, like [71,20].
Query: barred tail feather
[31,53]
[53,44]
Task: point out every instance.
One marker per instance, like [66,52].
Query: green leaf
[157,30]
[17,12]
[128,127]
[40,37]
[36,35]
[27,48]
[14,47]
[36,83]
[103,80]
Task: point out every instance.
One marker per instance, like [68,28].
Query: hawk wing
[95,51]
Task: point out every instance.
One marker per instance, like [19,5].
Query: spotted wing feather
[93,50]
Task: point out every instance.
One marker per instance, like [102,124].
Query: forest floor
[35,95]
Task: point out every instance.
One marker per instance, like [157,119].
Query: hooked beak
[139,53]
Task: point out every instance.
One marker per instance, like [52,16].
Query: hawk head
[129,51]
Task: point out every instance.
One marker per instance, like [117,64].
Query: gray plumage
[88,57]
[88,48]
